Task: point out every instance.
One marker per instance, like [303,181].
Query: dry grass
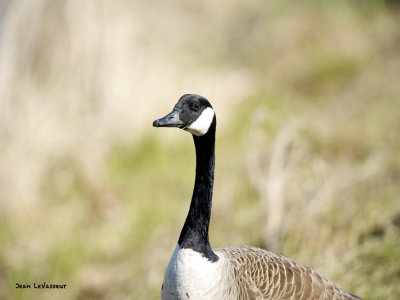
[307,161]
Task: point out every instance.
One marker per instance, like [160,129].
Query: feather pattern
[260,274]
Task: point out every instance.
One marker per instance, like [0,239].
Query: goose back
[261,274]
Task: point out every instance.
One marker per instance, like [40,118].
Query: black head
[192,113]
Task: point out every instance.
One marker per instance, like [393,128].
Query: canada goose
[195,270]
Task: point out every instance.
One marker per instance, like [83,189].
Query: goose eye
[196,106]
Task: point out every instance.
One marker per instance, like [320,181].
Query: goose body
[244,273]
[196,271]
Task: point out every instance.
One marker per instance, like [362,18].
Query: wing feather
[261,274]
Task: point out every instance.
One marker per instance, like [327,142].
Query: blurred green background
[307,96]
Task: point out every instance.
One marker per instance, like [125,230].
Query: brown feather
[260,274]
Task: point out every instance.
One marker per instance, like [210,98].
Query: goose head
[192,113]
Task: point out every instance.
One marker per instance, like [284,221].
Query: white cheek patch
[203,122]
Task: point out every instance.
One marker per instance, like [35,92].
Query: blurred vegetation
[308,108]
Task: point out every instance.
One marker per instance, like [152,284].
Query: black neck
[194,234]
